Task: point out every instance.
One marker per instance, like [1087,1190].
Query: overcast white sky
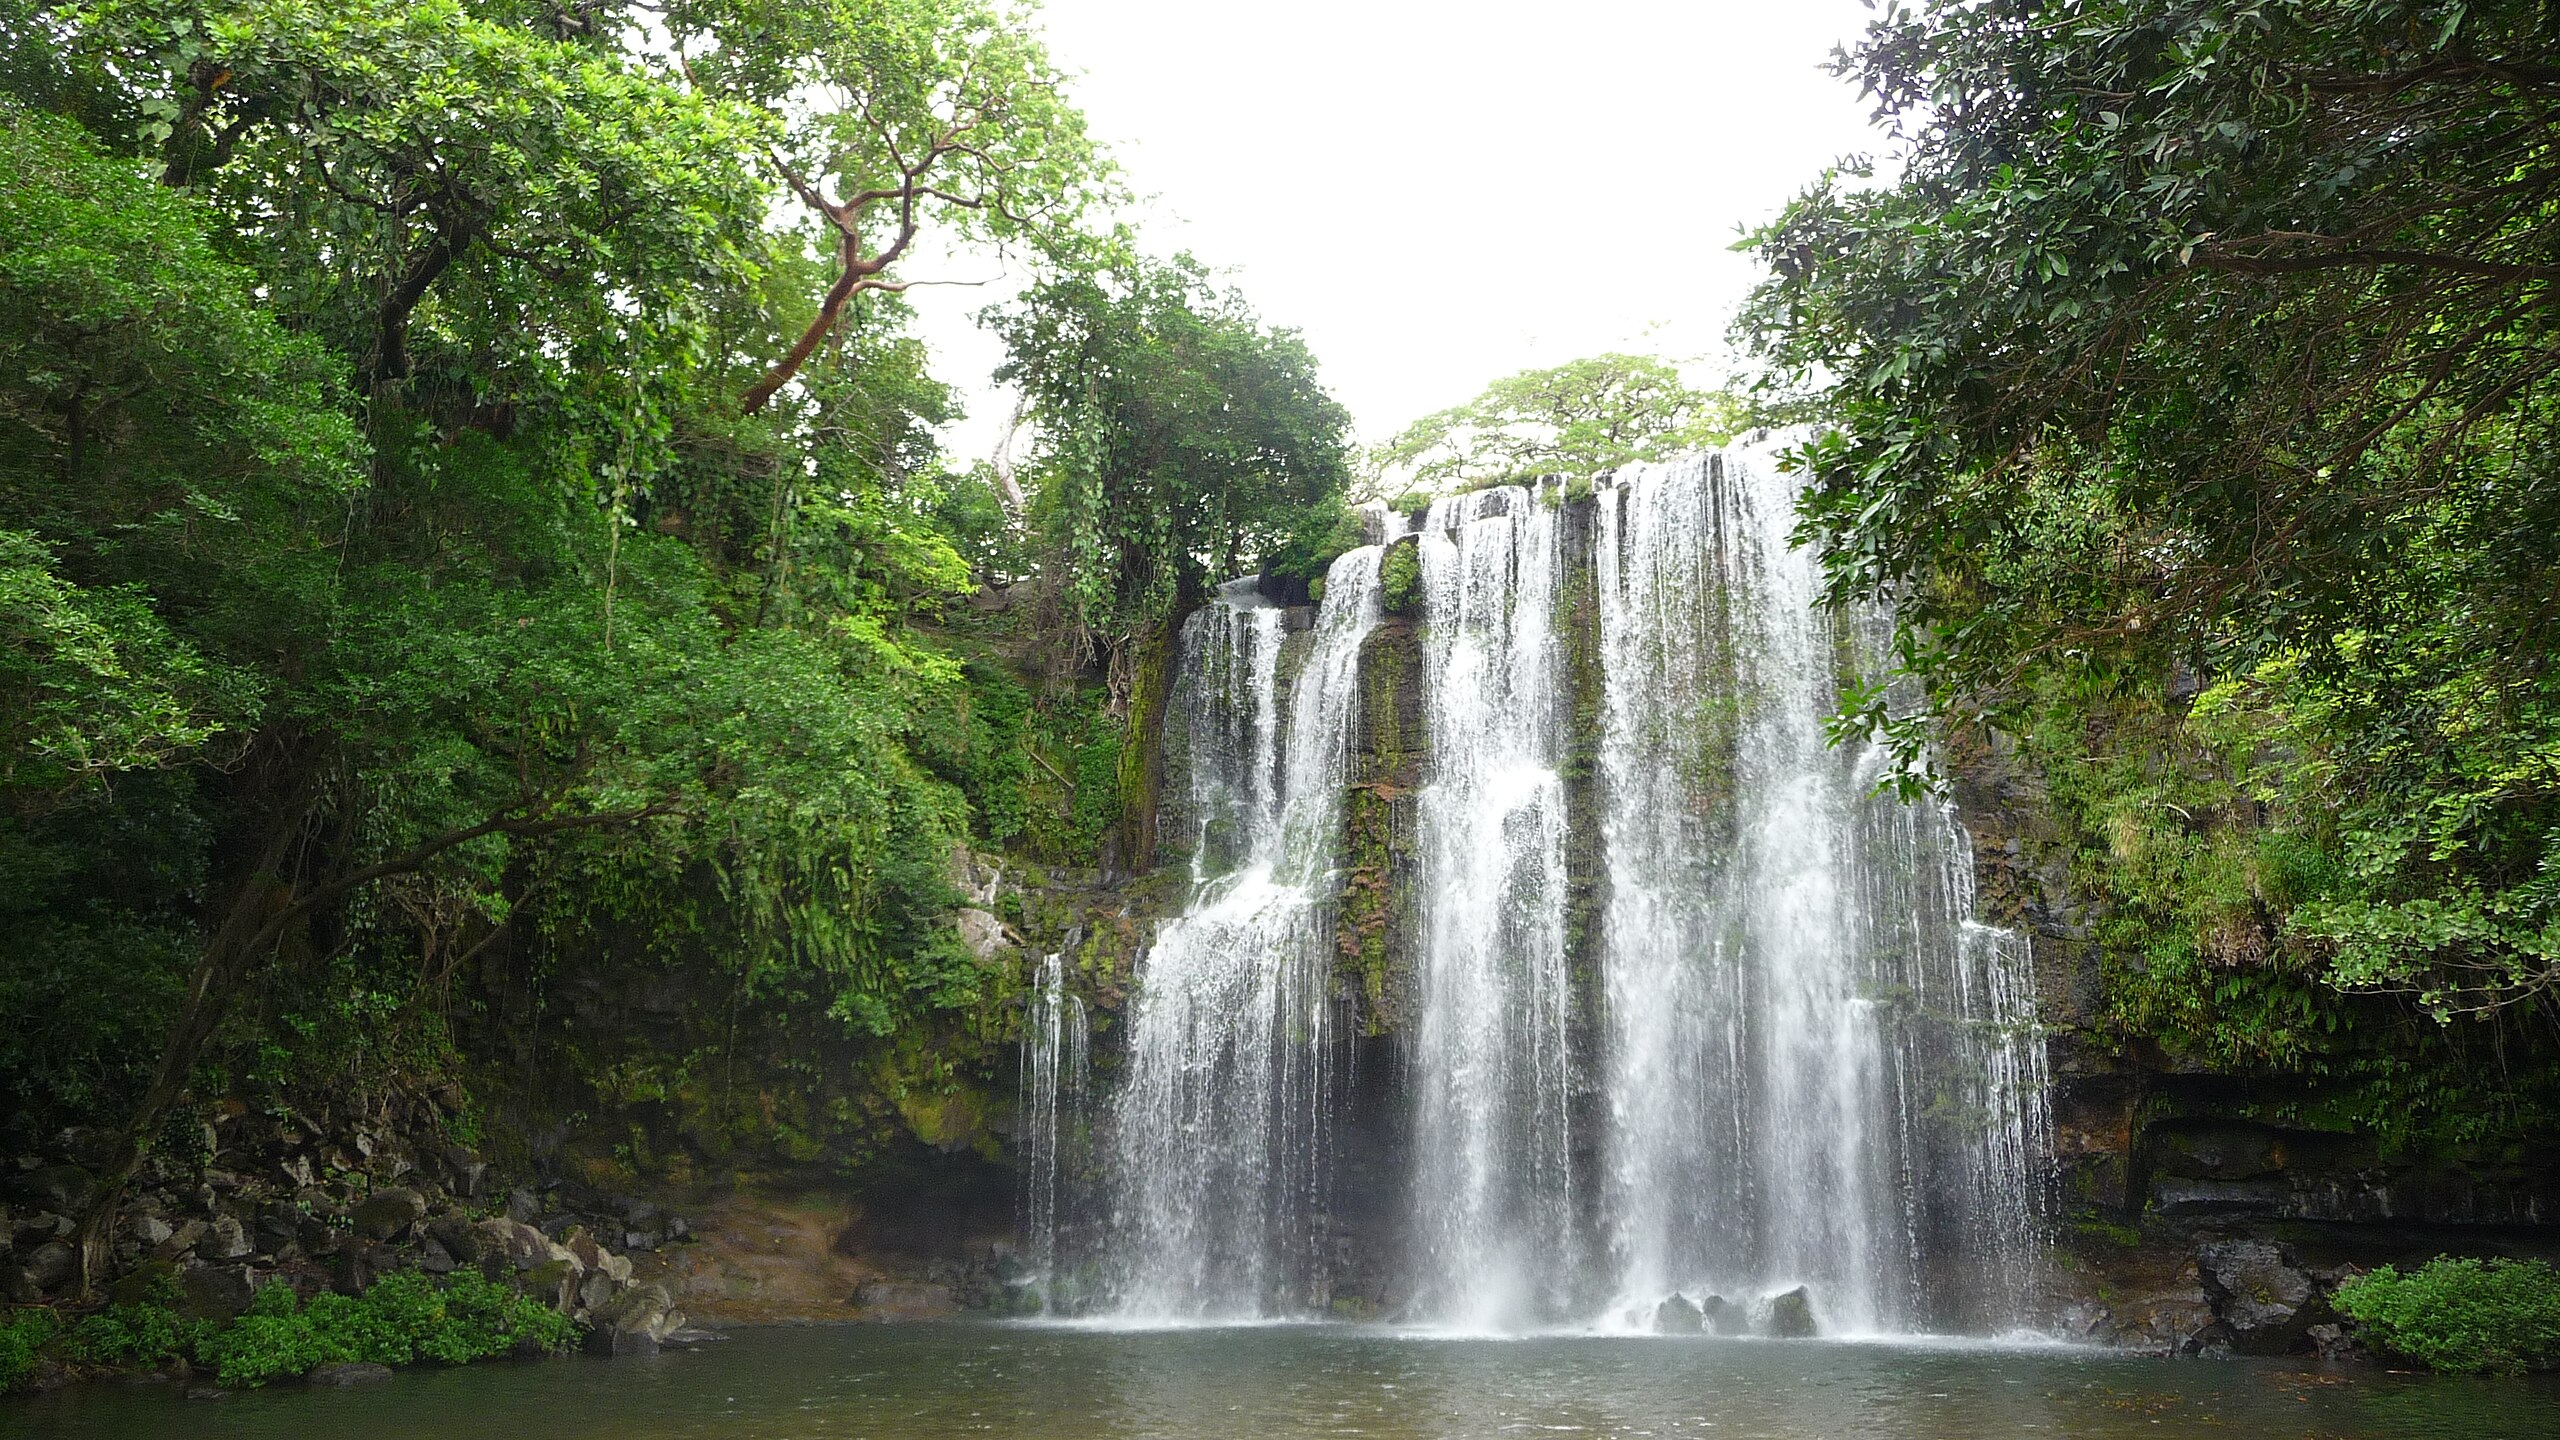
[1439,194]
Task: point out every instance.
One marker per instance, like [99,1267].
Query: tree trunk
[219,974]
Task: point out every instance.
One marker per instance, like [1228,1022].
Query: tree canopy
[1579,418]
[2205,349]
[470,506]
[1183,441]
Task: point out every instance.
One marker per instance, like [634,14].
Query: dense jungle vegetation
[471,515]
[470,504]
[2193,369]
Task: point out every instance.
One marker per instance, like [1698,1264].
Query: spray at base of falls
[1695,1010]
[1217,1162]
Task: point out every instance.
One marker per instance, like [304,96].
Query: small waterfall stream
[1493,1162]
[1055,1067]
[1694,1009]
[1217,1161]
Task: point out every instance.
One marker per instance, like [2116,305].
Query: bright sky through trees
[1444,193]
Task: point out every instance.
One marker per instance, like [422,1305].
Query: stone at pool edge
[1677,1316]
[348,1372]
[1791,1315]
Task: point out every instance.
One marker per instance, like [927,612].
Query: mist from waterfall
[1218,1142]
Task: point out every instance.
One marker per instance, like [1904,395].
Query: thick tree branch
[2222,257]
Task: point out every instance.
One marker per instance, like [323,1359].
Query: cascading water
[1693,1007]
[1494,1177]
[1054,1071]
[1819,1070]
[1218,1150]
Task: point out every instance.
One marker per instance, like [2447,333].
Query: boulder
[52,1265]
[214,1292]
[57,1187]
[578,1242]
[360,1262]
[182,1241]
[1791,1314]
[148,1231]
[386,1215]
[460,1238]
[1724,1317]
[39,1227]
[1676,1316]
[2171,1317]
[981,934]
[143,1283]
[18,1287]
[224,1239]
[434,1259]
[2262,1296]
[470,1173]
[521,1205]
[903,1300]
[634,1322]
[596,1290]
[555,1283]
[349,1372]
[278,1230]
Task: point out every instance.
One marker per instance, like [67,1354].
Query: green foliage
[23,1335]
[405,1318]
[1577,419]
[2210,343]
[1183,440]
[1400,580]
[374,497]
[1323,537]
[134,1336]
[2466,1317]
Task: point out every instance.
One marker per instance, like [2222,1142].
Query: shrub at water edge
[2467,1317]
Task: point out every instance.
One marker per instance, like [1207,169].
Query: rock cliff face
[2197,1209]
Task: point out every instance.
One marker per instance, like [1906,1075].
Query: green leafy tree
[895,118]
[2204,342]
[2467,1317]
[381,534]
[1576,419]
[1182,439]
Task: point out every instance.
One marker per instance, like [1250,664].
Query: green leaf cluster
[2461,1316]
[403,610]
[403,1319]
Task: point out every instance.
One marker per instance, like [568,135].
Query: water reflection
[1266,1382]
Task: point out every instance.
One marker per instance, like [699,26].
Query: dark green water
[907,1383]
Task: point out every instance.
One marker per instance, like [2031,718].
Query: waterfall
[1688,1004]
[1494,1176]
[1217,1163]
[1054,1068]
[1819,1068]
